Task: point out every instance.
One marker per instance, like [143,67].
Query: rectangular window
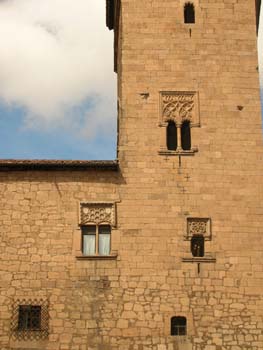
[29,317]
[89,240]
[96,239]
[104,240]
[178,325]
[198,245]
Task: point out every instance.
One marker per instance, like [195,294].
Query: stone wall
[220,178]
[126,302]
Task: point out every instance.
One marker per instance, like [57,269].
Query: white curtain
[104,244]
[89,244]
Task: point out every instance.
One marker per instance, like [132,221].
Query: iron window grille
[30,319]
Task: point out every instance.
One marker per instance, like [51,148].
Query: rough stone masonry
[162,248]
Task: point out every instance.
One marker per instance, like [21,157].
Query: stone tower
[190,153]
[162,248]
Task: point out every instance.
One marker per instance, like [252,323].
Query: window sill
[20,344]
[97,257]
[206,238]
[165,152]
[180,338]
[203,259]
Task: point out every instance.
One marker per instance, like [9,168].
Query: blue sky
[18,141]
[57,85]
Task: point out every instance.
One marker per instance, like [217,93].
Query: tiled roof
[45,164]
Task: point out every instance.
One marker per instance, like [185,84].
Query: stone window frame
[96,232]
[190,325]
[198,226]
[104,216]
[172,109]
[20,333]
[192,229]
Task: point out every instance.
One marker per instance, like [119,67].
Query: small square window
[29,317]
[178,325]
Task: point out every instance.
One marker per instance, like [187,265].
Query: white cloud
[55,54]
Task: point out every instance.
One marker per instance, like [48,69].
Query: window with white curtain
[96,239]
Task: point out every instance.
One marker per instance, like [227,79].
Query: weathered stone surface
[126,303]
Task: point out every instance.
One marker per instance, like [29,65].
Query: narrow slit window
[186,136]
[171,136]
[104,240]
[178,325]
[189,13]
[198,246]
[89,240]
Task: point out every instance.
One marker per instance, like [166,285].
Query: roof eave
[57,165]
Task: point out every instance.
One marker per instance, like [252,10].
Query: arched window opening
[178,325]
[189,13]
[198,246]
[186,136]
[171,136]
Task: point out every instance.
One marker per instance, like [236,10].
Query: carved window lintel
[94,239]
[181,109]
[179,106]
[199,226]
[97,213]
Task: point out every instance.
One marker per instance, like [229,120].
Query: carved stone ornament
[179,106]
[199,226]
[97,213]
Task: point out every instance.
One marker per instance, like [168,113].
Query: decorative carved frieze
[199,226]
[179,106]
[97,213]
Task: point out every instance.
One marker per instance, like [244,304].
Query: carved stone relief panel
[199,226]
[179,106]
[97,213]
